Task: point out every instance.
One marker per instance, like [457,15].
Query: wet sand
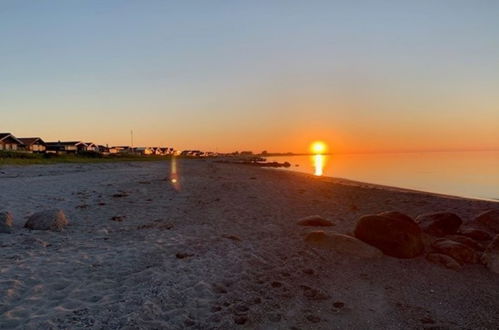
[220,250]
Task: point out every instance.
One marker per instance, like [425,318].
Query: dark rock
[440,223]
[232,237]
[181,255]
[490,257]
[47,220]
[120,194]
[338,304]
[397,215]
[466,241]
[240,319]
[394,233]
[6,221]
[315,220]
[489,220]
[444,260]
[460,252]
[241,308]
[475,233]
[308,271]
[189,323]
[313,318]
[118,218]
[342,243]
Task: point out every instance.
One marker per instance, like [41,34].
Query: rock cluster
[445,238]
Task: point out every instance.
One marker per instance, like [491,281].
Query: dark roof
[63,143]
[30,141]
[6,135]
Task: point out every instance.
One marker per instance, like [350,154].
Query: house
[121,149]
[70,147]
[9,142]
[88,146]
[166,151]
[191,153]
[144,150]
[103,149]
[34,144]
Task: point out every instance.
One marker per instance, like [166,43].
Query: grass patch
[20,158]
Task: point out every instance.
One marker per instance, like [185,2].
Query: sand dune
[223,251]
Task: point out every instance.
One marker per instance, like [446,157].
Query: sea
[473,174]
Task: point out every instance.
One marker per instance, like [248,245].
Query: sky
[364,76]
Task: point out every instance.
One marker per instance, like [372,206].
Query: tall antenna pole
[131,137]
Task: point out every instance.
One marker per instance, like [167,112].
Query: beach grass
[19,158]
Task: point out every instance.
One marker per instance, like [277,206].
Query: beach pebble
[440,223]
[33,242]
[54,220]
[460,252]
[394,233]
[474,233]
[489,220]
[231,237]
[6,221]
[444,260]
[240,319]
[103,231]
[490,257]
[315,221]
[313,318]
[342,243]
[183,255]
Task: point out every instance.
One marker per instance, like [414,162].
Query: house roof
[3,136]
[63,143]
[31,140]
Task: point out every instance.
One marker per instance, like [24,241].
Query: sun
[318,147]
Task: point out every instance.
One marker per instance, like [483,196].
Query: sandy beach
[219,250]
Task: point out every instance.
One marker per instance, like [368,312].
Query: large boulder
[458,251]
[315,221]
[6,221]
[444,260]
[394,233]
[47,220]
[440,223]
[490,257]
[475,233]
[489,220]
[342,243]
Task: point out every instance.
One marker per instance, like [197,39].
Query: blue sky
[226,75]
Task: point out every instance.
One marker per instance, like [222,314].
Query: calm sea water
[466,174]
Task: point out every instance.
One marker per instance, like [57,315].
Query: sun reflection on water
[319,162]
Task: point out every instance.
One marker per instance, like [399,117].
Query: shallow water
[466,174]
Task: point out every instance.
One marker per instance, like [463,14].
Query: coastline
[220,249]
[356,183]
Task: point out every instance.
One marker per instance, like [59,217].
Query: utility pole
[131,137]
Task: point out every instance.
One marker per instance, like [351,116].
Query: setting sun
[318,147]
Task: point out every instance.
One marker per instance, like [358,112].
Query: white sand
[107,274]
